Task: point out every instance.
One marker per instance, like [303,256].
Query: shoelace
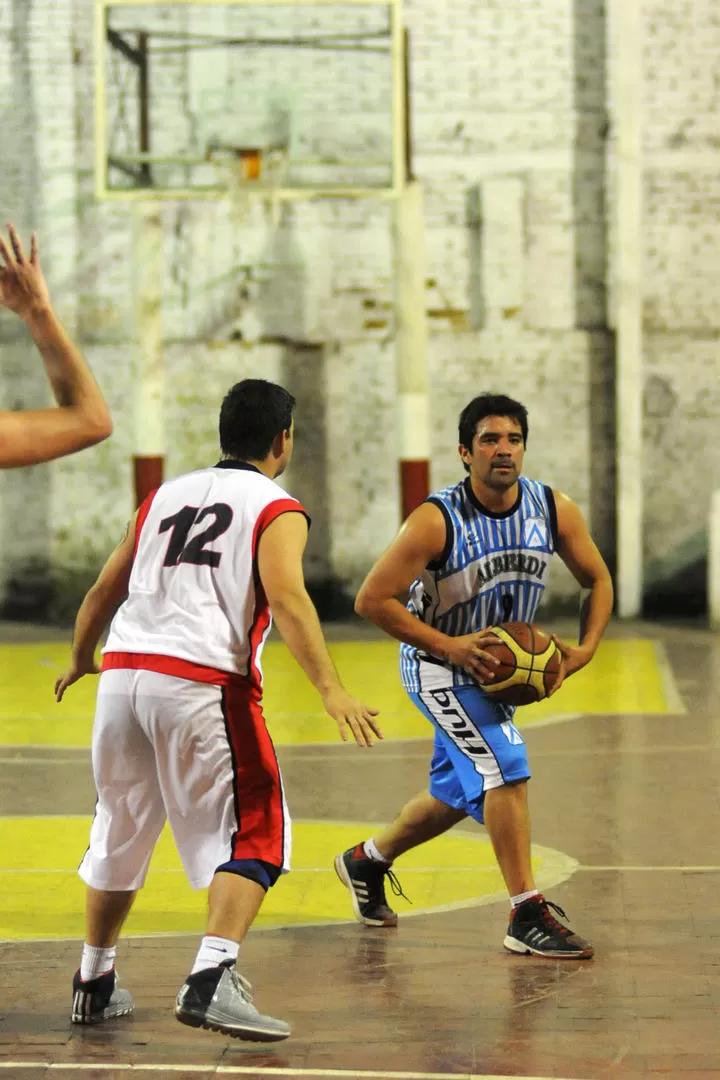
[242,985]
[396,886]
[550,920]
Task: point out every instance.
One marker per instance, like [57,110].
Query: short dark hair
[252,414]
[489,405]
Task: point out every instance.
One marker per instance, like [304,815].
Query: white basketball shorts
[195,753]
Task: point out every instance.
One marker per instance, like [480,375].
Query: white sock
[96,961]
[516,901]
[372,853]
[214,951]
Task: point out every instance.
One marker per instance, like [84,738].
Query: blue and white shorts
[477,746]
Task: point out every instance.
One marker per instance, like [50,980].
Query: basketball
[529,664]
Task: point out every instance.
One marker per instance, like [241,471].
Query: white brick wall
[504,92]
[682,189]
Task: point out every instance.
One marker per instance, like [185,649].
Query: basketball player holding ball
[474,555]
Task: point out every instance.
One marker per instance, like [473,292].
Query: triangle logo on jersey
[534,533]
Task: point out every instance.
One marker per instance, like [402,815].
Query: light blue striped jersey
[494,569]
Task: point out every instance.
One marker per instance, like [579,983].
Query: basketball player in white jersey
[471,556]
[179,731]
[33,435]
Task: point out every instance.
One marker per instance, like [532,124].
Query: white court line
[667,869]
[41,760]
[254,1070]
[671,693]
[704,869]
[295,870]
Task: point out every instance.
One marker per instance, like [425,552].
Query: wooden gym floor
[626,820]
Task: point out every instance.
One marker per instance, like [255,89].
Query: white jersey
[195,605]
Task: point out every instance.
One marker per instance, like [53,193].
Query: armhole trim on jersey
[143,511]
[552,510]
[437,564]
[273,510]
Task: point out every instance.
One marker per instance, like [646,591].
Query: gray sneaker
[99,999]
[220,999]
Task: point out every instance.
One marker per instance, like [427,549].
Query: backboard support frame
[139,166]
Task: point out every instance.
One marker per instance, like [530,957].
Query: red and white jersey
[195,606]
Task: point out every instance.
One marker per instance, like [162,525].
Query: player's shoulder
[450,496]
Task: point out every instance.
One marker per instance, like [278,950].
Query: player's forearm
[297,620]
[94,614]
[595,611]
[395,619]
[70,377]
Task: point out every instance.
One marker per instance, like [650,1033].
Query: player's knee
[264,873]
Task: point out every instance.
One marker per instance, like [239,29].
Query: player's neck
[268,467]
[492,499]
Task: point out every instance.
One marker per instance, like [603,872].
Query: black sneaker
[365,879]
[220,999]
[99,999]
[535,931]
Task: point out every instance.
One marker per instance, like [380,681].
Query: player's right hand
[470,653]
[351,716]
[75,672]
[22,285]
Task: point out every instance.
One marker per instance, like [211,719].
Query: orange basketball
[529,664]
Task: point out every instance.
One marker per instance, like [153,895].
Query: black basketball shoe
[365,878]
[99,999]
[535,931]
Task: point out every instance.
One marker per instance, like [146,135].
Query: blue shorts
[477,746]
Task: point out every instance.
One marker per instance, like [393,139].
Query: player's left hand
[351,715]
[75,672]
[573,657]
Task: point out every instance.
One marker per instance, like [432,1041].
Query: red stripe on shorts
[258,786]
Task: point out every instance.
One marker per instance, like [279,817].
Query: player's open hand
[23,288]
[470,652]
[352,717]
[76,671]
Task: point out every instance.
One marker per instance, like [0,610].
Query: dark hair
[489,405]
[253,412]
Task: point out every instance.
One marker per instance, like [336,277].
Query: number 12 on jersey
[182,550]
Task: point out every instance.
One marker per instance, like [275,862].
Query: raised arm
[82,419]
[279,560]
[421,540]
[97,609]
[580,554]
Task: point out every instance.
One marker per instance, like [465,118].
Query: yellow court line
[44,897]
[625,677]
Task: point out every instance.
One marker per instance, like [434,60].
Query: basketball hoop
[250,172]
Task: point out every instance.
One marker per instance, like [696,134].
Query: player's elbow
[366,604]
[100,426]
[91,427]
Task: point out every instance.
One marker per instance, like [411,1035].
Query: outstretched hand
[352,717]
[23,288]
[75,672]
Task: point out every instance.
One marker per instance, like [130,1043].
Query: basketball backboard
[283,98]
